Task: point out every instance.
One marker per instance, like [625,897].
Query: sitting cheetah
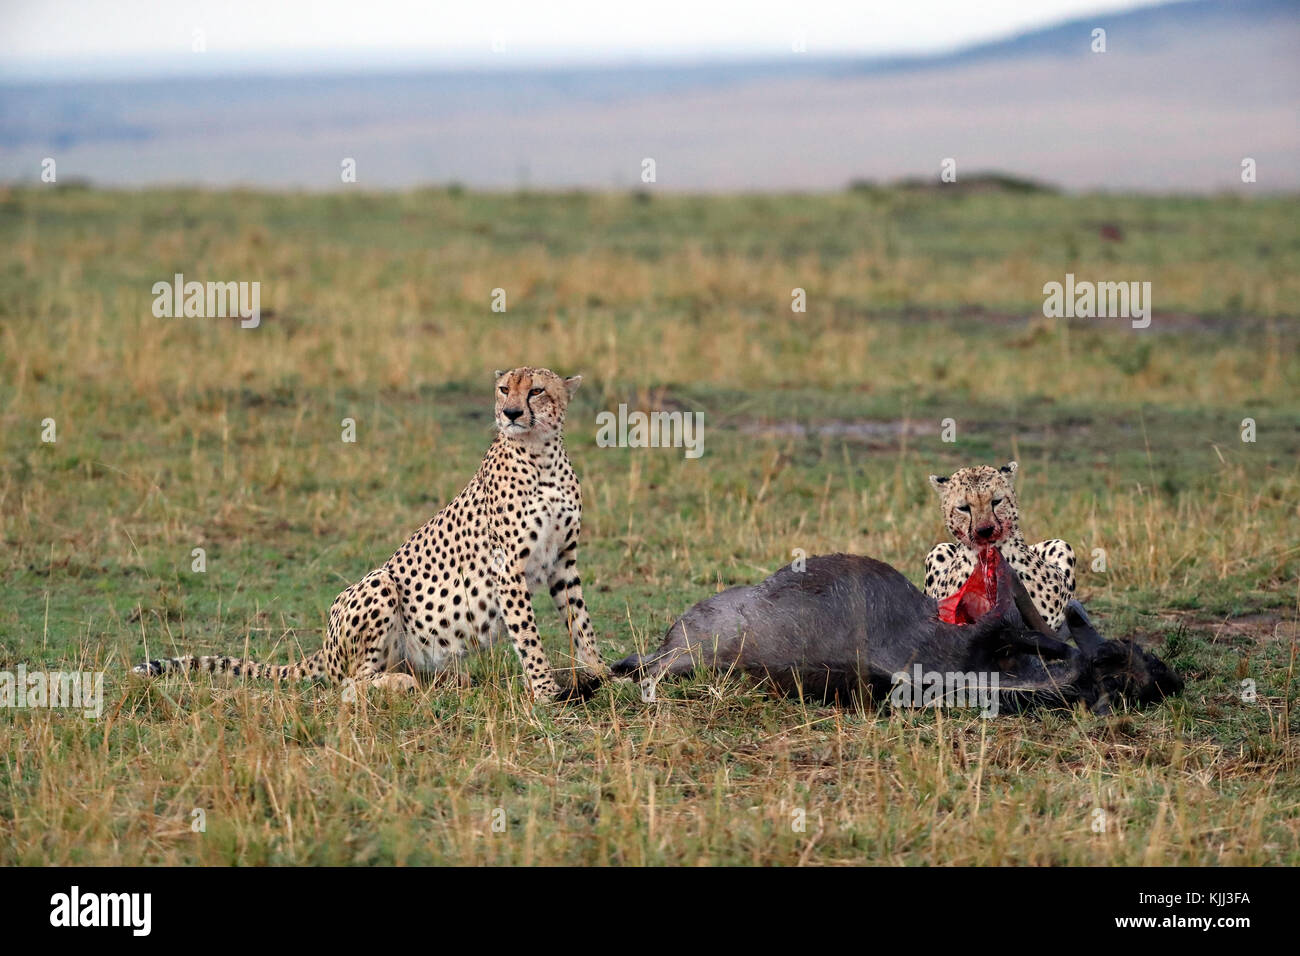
[979,506]
[468,574]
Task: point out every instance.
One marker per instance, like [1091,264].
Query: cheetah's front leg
[1060,556]
[566,591]
[946,569]
[517,609]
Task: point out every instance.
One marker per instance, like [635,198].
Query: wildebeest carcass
[847,627]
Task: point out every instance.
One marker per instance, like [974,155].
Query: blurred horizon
[86,40]
[1179,97]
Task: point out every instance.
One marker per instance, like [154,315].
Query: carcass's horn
[1009,583]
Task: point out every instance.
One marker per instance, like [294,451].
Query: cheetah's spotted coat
[468,573]
[979,507]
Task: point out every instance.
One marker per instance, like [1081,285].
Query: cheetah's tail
[312,667]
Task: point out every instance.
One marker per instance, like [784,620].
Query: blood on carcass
[978,595]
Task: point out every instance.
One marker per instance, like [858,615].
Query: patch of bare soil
[1242,630]
[838,428]
[884,432]
[1160,321]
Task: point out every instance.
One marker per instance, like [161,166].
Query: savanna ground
[820,429]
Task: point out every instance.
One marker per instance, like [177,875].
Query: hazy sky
[50,37]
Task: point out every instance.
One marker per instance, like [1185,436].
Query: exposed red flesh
[978,595]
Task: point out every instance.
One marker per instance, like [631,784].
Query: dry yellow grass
[820,430]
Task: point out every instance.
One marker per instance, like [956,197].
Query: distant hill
[1183,93]
[1143,27]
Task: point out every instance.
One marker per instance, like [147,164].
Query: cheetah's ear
[571,383]
[938,483]
[498,373]
[1009,469]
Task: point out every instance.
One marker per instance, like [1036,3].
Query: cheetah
[467,576]
[979,506]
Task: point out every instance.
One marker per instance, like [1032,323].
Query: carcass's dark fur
[845,625]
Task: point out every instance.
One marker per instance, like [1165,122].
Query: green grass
[820,429]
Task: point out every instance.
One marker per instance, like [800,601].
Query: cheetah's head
[979,504]
[531,402]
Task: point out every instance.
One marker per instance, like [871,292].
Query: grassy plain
[820,429]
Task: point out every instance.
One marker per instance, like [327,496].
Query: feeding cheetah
[468,573]
[979,506]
